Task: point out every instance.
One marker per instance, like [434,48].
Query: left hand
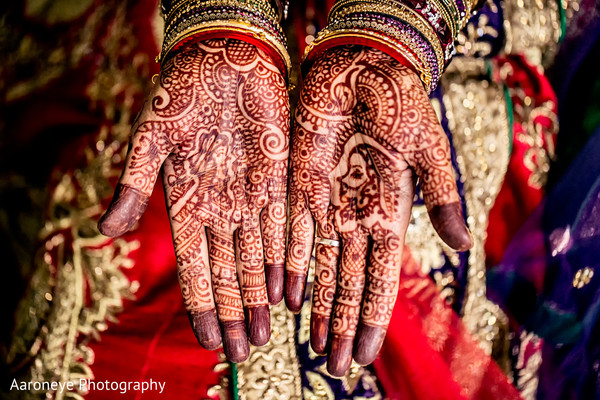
[365,130]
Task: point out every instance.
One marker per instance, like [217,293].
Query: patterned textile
[72,76]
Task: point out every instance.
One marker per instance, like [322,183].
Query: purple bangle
[364,21]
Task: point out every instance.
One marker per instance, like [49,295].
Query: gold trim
[478,120]
[272,372]
[327,35]
[240,26]
[403,13]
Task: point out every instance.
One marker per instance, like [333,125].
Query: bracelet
[418,33]
[395,49]
[255,21]
[401,13]
[419,53]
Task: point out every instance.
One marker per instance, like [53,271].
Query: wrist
[252,21]
[419,34]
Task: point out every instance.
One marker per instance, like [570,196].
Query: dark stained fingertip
[259,325]
[294,291]
[274,274]
[206,328]
[368,343]
[340,356]
[448,221]
[235,341]
[127,206]
[319,329]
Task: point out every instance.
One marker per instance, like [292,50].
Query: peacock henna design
[364,132]
[217,123]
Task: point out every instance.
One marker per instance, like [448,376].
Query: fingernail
[340,356]
[319,329]
[274,273]
[449,223]
[368,342]
[294,291]
[127,207]
[235,341]
[206,328]
[259,325]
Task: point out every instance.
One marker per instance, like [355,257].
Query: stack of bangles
[254,21]
[418,33]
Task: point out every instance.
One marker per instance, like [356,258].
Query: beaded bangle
[418,33]
[255,21]
[401,13]
[417,49]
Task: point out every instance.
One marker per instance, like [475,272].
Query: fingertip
[294,291]
[235,341]
[259,325]
[125,210]
[206,328]
[274,275]
[368,343]
[449,223]
[319,329]
[340,356]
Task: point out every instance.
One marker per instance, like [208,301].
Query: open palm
[217,122]
[364,132]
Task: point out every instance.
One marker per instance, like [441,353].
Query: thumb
[149,148]
[440,194]
[126,208]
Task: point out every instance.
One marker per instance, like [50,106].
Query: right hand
[217,122]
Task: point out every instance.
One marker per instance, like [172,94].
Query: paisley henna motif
[365,130]
[217,123]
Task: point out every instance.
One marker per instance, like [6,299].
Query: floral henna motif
[364,124]
[217,123]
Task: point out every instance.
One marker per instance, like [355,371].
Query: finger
[323,294]
[227,295]
[148,149]
[273,224]
[350,286]
[191,248]
[196,288]
[299,250]
[126,208]
[441,197]
[326,254]
[383,275]
[249,252]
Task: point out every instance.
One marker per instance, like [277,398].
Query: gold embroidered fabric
[528,365]
[477,118]
[533,28]
[78,285]
[272,371]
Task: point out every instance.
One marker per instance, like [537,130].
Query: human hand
[217,122]
[365,130]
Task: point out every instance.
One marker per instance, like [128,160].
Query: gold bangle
[388,31]
[260,5]
[403,13]
[417,64]
[450,22]
[238,25]
[175,17]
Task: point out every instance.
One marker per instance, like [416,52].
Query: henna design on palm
[217,123]
[364,130]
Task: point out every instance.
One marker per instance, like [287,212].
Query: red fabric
[429,354]
[517,197]
[53,124]
[153,338]
[223,32]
